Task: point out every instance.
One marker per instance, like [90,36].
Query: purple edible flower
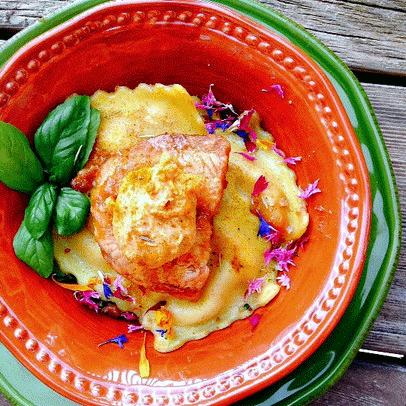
[120,340]
[162,332]
[265,229]
[108,293]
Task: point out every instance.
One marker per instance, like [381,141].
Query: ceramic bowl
[196,44]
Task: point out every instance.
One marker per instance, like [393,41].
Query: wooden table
[370,37]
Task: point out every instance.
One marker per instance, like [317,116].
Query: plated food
[195,214]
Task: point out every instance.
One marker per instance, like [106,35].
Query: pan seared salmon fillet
[161,248]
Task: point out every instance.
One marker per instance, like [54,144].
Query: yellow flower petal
[73,286]
[144,363]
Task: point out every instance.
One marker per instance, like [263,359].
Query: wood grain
[368,384]
[389,103]
[369,35]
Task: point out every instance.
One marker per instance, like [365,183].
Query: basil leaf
[71,211]
[20,169]
[38,254]
[39,210]
[61,138]
[91,138]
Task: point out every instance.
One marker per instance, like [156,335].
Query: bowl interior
[194,44]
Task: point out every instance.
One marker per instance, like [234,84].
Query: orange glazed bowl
[195,44]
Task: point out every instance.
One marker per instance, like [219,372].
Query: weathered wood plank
[368,384]
[367,34]
[389,103]
[364,36]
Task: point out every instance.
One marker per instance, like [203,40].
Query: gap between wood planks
[380,78]
[381,356]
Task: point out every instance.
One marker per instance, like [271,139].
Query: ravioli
[236,251]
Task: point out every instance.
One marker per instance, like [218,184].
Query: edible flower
[283,256]
[244,122]
[132,328]
[260,185]
[277,88]
[72,286]
[311,189]
[211,104]
[265,229]
[107,291]
[211,127]
[254,320]
[266,145]
[255,286]
[290,160]
[144,363]
[120,340]
[246,156]
[164,320]
[284,280]
[161,332]
[118,284]
[86,297]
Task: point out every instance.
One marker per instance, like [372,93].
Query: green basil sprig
[63,143]
[71,211]
[39,211]
[65,138]
[20,169]
[37,253]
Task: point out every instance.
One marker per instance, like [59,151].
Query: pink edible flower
[118,284]
[209,102]
[86,298]
[133,328]
[282,256]
[255,286]
[277,88]
[260,185]
[273,237]
[246,156]
[254,320]
[211,127]
[291,160]
[244,124]
[278,151]
[310,190]
[284,280]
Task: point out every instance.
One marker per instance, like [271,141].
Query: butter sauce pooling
[237,252]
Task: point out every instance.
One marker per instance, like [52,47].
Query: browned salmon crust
[206,156]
